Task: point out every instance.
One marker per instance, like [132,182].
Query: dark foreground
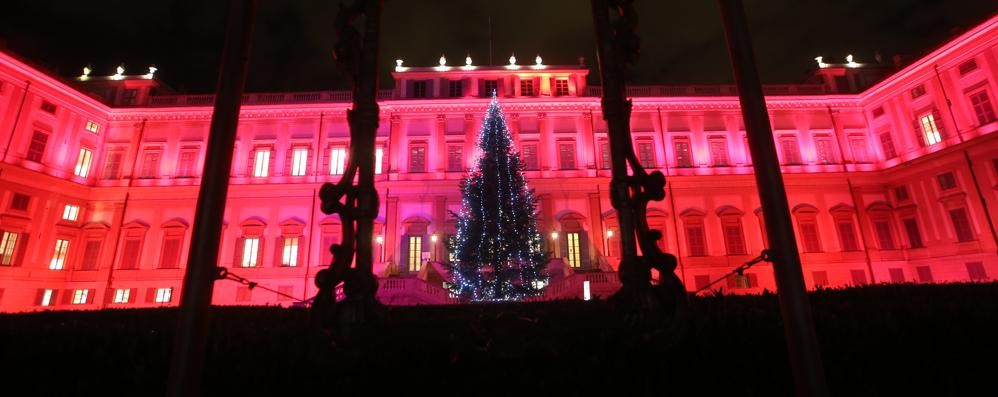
[882,340]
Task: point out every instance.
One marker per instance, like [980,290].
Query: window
[561,87]
[187,162]
[417,158]
[419,89]
[930,128]
[530,157]
[130,253]
[70,212]
[887,145]
[747,280]
[131,96]
[526,88]
[914,236]
[20,202]
[924,274]
[261,162]
[809,235]
[975,270]
[946,181]
[91,252]
[682,152]
[122,295]
[150,164]
[823,150]
[171,252]
[967,67]
[48,107]
[961,224]
[491,87]
[59,256]
[790,150]
[112,164]
[646,154]
[901,193]
[299,161]
[982,107]
[8,243]
[858,276]
[415,253]
[719,152]
[80,296]
[734,239]
[918,91]
[337,160]
[456,88]
[878,111]
[36,149]
[604,151]
[573,254]
[289,252]
[695,238]
[163,295]
[896,274]
[884,237]
[701,281]
[566,156]
[47,297]
[250,252]
[379,156]
[455,161]
[847,234]
[820,278]
[83,163]
[92,126]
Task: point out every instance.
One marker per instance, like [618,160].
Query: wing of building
[891,178]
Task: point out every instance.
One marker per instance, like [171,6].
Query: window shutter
[288,163]
[90,253]
[130,254]
[583,250]
[940,126]
[67,297]
[39,295]
[171,253]
[237,257]
[260,251]
[90,296]
[325,160]
[23,247]
[151,295]
[109,296]
[301,251]
[133,295]
[919,136]
[279,252]
[251,162]
[270,164]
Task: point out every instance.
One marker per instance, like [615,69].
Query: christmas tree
[497,253]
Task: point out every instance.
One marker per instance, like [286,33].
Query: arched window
[731,228]
[291,244]
[173,244]
[696,237]
[807,227]
[250,244]
[133,234]
[845,227]
[881,219]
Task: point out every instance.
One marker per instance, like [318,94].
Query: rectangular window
[790,150]
[696,239]
[419,89]
[809,234]
[887,145]
[47,298]
[59,256]
[251,252]
[604,151]
[130,254]
[91,252]
[455,160]
[820,278]
[20,202]
[914,236]
[573,255]
[823,150]
[171,252]
[70,212]
[299,161]
[858,147]
[186,162]
[122,295]
[8,243]
[112,164]
[734,240]
[83,163]
[747,280]
[883,229]
[491,87]
[80,296]
[646,154]
[92,126]
[150,164]
[337,160]
[131,96]
[961,224]
[878,111]
[48,107]
[530,157]
[858,276]
[896,274]
[36,149]
[946,181]
[682,152]
[526,87]
[561,87]
[261,162]
[164,295]
[975,270]
[918,91]
[930,130]
[566,156]
[417,158]
[415,253]
[967,67]
[456,88]
[289,253]
[847,235]
[982,107]
[901,193]
[924,274]
[719,152]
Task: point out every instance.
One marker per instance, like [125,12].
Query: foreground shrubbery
[882,340]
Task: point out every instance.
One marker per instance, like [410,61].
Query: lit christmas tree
[497,254]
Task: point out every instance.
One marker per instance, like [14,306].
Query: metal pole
[192,327]
[365,118]
[802,342]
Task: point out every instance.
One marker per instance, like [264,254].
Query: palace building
[891,173]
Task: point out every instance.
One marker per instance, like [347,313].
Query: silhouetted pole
[195,304]
[802,342]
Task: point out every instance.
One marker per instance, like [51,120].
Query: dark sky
[682,41]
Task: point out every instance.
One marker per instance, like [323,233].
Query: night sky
[682,41]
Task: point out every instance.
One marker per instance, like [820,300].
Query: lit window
[417,158]
[92,126]
[289,255]
[251,251]
[337,160]
[561,87]
[7,244]
[747,280]
[121,295]
[70,212]
[379,155]
[526,88]
[261,163]
[48,298]
[415,253]
[83,163]
[566,154]
[982,107]
[930,129]
[163,295]
[36,149]
[573,255]
[80,296]
[59,256]
[299,161]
